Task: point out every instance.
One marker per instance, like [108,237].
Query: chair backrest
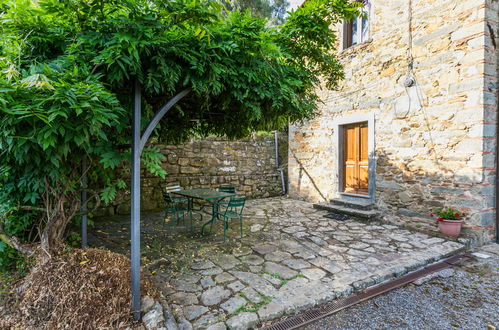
[236,205]
[172,188]
[168,190]
[227,189]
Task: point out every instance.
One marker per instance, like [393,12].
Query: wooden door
[356,159]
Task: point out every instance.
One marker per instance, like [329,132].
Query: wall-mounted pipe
[279,170]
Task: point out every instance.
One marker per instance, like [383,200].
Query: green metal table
[209,195]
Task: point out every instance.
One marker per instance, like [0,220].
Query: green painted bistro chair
[228,189]
[176,208]
[234,210]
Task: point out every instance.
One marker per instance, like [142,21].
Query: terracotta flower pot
[450,227]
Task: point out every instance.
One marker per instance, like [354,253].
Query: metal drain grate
[318,313]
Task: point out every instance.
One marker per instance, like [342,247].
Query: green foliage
[272,10]
[448,214]
[68,67]
[74,239]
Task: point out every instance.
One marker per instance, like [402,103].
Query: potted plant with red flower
[449,221]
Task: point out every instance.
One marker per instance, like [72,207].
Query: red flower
[440,219]
[432,214]
[457,215]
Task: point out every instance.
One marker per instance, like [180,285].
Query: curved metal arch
[138,143]
[160,114]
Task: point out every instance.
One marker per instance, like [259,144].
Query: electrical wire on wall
[411,81]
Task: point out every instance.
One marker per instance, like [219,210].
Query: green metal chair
[176,208]
[228,189]
[234,210]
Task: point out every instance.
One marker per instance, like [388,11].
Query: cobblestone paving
[290,259]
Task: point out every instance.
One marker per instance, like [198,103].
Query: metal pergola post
[138,143]
[135,203]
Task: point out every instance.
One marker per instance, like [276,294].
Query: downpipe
[279,170]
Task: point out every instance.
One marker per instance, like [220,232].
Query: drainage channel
[318,313]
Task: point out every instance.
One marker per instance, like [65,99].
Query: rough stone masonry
[434,143]
[249,164]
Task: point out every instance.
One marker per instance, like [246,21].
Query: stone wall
[249,164]
[435,142]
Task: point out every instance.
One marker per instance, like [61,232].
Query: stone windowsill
[353,50]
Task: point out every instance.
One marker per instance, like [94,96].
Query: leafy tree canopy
[67,71]
[273,10]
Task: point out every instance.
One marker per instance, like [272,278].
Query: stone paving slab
[293,260]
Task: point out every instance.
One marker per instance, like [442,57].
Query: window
[356,31]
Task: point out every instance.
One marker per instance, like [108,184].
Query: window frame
[347,41]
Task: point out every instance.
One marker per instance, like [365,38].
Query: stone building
[412,127]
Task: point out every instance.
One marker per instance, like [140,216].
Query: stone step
[358,204]
[365,214]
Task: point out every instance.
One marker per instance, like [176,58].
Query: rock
[207,282]
[256,269]
[282,271]
[445,273]
[256,282]
[252,295]
[241,251]
[277,256]
[294,229]
[184,325]
[183,298]
[242,321]
[276,280]
[305,254]
[317,240]
[264,248]
[255,228]
[481,255]
[217,326]
[226,262]
[358,246]
[211,271]
[186,286]
[296,263]
[423,280]
[194,311]
[326,264]
[433,240]
[233,304]
[270,311]
[146,304]
[236,286]
[214,296]
[207,320]
[252,259]
[313,273]
[170,323]
[224,277]
[154,318]
[202,265]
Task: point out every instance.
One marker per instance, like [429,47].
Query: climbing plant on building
[67,72]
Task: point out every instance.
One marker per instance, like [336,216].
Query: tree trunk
[53,234]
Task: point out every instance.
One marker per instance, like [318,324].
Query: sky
[294,4]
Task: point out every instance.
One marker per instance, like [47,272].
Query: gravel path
[469,299]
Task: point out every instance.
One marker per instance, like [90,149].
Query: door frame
[338,124]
